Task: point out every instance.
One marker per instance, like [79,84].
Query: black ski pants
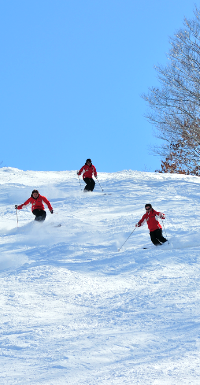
[157,237]
[40,215]
[90,183]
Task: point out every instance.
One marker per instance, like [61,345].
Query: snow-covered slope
[74,310]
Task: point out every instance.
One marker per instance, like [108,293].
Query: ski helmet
[148,205]
[88,160]
[35,191]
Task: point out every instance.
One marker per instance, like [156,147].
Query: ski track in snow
[74,310]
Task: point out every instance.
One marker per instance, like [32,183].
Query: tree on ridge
[175,105]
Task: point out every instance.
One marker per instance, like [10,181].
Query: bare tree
[176,104]
[179,160]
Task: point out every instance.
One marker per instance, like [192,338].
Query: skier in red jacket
[151,217]
[88,170]
[37,205]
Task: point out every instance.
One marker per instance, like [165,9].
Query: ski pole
[99,184]
[165,231]
[79,182]
[17,217]
[127,239]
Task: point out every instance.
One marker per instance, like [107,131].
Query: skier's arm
[45,200]
[80,171]
[141,222]
[95,171]
[160,215]
[24,204]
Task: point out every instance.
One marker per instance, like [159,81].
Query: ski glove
[16,207]
[51,211]
[162,216]
[137,225]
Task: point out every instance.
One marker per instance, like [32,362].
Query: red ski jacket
[36,203]
[151,217]
[88,171]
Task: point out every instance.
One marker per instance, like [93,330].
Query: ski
[97,193]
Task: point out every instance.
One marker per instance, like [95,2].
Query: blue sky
[72,73]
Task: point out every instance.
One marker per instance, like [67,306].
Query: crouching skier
[37,205]
[88,170]
[151,217]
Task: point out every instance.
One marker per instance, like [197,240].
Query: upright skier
[37,205]
[151,217]
[88,170]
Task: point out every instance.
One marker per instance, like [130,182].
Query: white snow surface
[74,309]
